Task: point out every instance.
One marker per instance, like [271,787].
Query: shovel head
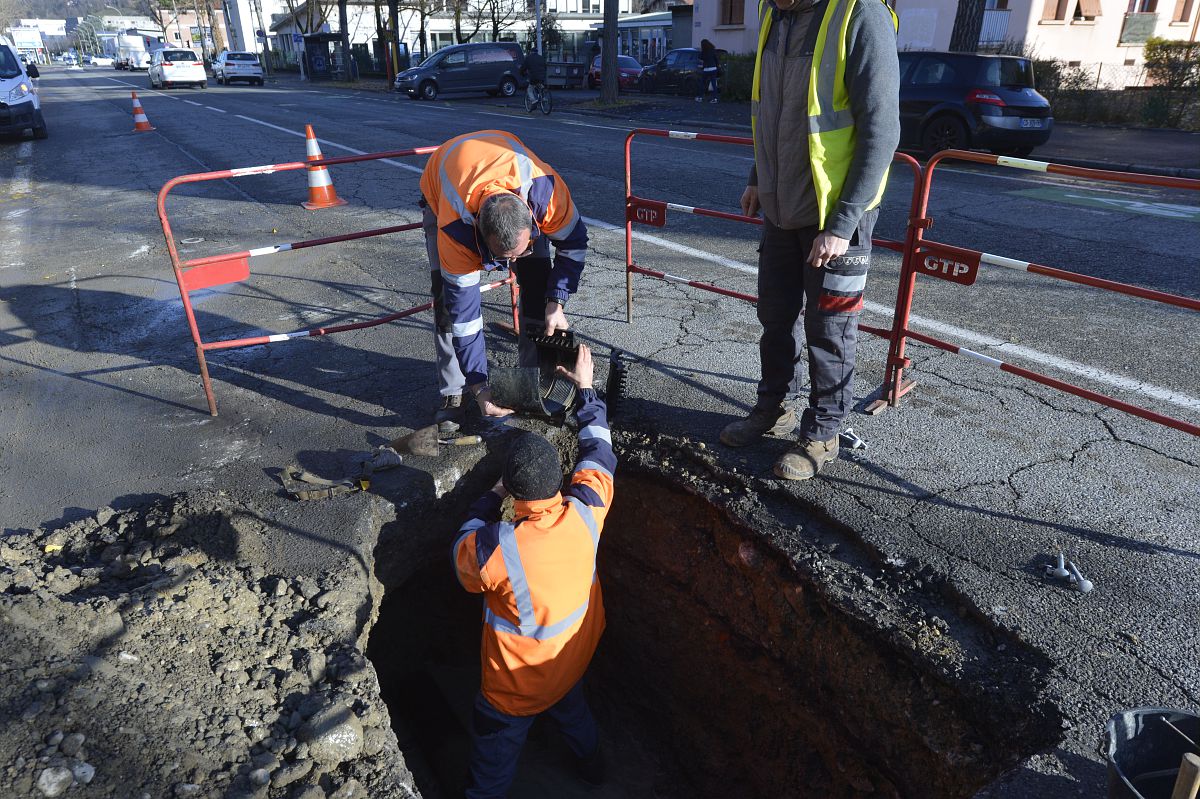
[519,389]
[419,442]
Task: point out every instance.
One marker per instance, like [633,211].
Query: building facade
[1107,35]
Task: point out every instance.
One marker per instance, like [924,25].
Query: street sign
[297,38]
[957,266]
[260,34]
[647,212]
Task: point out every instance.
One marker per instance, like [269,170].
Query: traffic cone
[140,123]
[320,185]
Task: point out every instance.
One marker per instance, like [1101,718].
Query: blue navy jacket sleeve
[592,480]
[569,254]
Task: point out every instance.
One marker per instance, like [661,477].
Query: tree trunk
[968,23]
[344,29]
[608,54]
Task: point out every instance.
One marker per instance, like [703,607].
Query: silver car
[233,65]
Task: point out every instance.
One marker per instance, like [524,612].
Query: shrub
[738,79]
[1173,68]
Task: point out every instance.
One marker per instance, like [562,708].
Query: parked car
[957,100]
[628,72]
[231,65]
[20,106]
[678,71]
[101,61]
[493,67]
[176,67]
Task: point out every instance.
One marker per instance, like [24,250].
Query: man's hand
[826,247]
[488,408]
[583,372]
[555,318]
[750,204]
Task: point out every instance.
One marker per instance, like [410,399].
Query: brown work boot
[778,421]
[803,461]
[449,416]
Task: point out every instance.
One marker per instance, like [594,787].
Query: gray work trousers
[830,300]
[532,274]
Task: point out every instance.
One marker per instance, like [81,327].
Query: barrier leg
[206,381]
[628,273]
[514,291]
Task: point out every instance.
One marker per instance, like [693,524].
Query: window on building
[1183,10]
[733,12]
[1142,6]
[1055,10]
[1087,9]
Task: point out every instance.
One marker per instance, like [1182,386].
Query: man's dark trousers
[500,737]
[831,301]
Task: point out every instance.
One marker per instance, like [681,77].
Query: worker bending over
[490,203]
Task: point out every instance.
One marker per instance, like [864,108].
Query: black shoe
[591,768]
[449,416]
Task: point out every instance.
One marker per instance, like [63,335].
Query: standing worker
[710,70]
[826,119]
[490,203]
[543,613]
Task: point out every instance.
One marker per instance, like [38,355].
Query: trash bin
[1143,751]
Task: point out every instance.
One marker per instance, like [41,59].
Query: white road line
[962,334]
[590,125]
[193,102]
[218,110]
[143,89]
[328,143]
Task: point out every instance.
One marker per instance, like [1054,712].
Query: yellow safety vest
[831,131]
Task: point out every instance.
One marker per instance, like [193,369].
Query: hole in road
[722,672]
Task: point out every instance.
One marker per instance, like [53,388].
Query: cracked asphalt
[979,475]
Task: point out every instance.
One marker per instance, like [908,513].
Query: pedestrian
[710,69]
[534,70]
[490,203]
[826,122]
[543,611]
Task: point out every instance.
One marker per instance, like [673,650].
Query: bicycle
[542,99]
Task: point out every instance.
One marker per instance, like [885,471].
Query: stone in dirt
[55,781]
[72,744]
[84,772]
[334,735]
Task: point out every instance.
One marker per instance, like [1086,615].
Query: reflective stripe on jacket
[460,175]
[543,611]
[831,132]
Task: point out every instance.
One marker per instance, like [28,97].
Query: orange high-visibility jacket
[460,175]
[543,612]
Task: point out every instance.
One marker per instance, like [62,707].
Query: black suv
[678,71]
[492,67]
[957,100]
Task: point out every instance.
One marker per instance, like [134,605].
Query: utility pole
[199,27]
[537,5]
[265,59]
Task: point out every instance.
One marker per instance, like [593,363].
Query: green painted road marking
[1078,197]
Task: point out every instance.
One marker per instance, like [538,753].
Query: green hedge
[738,78]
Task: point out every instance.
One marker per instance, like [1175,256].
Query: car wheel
[944,133]
[259,82]
[646,85]
[39,130]
[220,80]
[591,83]
[428,90]
[508,87]
[203,84]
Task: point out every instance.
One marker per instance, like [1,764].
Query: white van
[20,108]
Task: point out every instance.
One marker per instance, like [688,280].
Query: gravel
[179,666]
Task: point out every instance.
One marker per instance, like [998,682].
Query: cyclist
[534,69]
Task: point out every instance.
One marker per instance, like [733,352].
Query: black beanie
[533,470]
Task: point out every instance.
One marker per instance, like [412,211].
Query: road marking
[1144,207]
[193,102]
[1083,370]
[590,125]
[143,89]
[218,110]
[328,143]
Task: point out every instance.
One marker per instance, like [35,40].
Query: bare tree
[608,54]
[309,17]
[468,16]
[968,23]
[503,14]
[11,11]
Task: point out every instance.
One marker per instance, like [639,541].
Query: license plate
[1026,122]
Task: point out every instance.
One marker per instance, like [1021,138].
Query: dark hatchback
[962,101]
[678,71]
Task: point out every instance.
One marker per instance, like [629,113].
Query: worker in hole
[490,203]
[826,121]
[543,613]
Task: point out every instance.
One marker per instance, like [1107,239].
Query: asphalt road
[979,475]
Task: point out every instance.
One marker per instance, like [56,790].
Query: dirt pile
[146,655]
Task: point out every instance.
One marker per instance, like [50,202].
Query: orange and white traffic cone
[140,123]
[320,185]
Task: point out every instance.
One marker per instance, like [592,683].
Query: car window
[9,67]
[241,57]
[934,72]
[455,59]
[628,62]
[1015,72]
[672,58]
[178,55]
[491,55]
